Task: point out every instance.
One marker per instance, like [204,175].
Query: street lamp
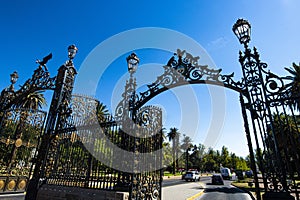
[72,50]
[132,62]
[242,30]
[13,79]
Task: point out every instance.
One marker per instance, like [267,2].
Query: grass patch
[242,185]
[245,180]
[166,173]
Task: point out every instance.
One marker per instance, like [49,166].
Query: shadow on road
[224,190]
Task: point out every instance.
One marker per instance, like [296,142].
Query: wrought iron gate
[147,176]
[74,150]
[91,153]
[21,129]
[19,138]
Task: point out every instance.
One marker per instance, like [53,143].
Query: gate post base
[32,189]
[277,196]
[122,187]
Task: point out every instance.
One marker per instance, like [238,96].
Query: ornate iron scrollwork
[269,102]
[183,69]
[40,80]
[150,118]
[19,136]
[146,187]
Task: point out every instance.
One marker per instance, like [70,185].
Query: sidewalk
[18,196]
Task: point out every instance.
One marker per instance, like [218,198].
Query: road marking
[196,195]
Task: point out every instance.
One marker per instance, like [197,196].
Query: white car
[192,176]
[226,173]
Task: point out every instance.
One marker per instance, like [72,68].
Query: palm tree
[167,153]
[34,100]
[173,136]
[187,146]
[102,112]
[294,85]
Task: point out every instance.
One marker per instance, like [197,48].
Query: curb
[12,196]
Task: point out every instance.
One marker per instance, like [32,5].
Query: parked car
[249,173]
[192,176]
[240,174]
[217,179]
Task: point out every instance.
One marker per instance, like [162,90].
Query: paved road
[222,192]
[181,190]
[203,190]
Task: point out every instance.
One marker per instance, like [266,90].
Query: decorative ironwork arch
[181,69]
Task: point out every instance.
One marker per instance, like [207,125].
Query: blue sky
[32,29]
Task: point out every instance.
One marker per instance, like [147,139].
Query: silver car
[192,176]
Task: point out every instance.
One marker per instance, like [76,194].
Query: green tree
[197,156]
[209,160]
[233,161]
[187,145]
[102,112]
[241,164]
[167,154]
[173,136]
[34,100]
[225,158]
[294,85]
[286,130]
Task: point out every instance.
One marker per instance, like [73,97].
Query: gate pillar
[58,112]
[262,92]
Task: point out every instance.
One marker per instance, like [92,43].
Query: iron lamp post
[14,77]
[242,30]
[132,63]
[72,51]
[8,92]
[259,91]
